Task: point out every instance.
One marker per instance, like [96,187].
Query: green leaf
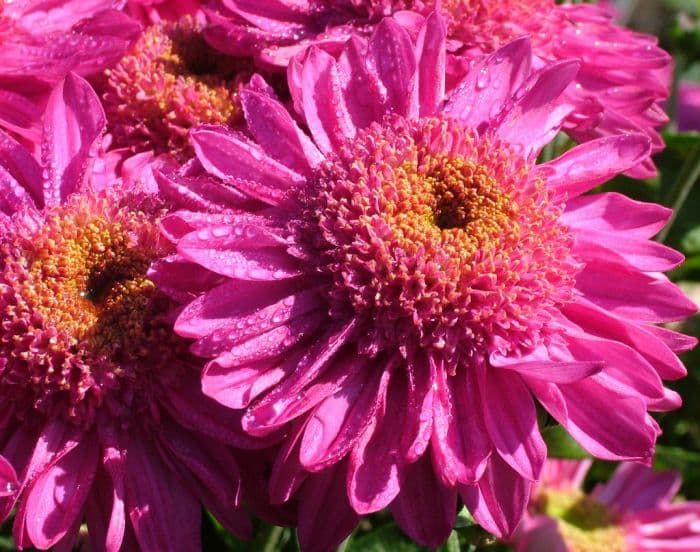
[452,544]
[387,538]
[561,445]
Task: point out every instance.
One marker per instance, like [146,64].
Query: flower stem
[690,172]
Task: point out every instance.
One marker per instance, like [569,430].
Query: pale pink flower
[623,79]
[399,288]
[688,106]
[632,512]
[103,416]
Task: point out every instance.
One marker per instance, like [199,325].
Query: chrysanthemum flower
[103,416]
[170,81]
[401,287]
[632,512]
[623,77]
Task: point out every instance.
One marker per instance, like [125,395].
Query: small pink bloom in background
[103,417]
[623,79]
[397,289]
[633,512]
[688,106]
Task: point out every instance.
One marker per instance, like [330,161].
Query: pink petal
[587,165]
[8,478]
[376,470]
[161,510]
[212,472]
[323,106]
[425,509]
[538,111]
[20,177]
[460,443]
[242,263]
[475,100]
[584,409]
[392,58]
[73,122]
[634,295]
[334,425]
[55,499]
[242,164]
[511,421]
[430,50]
[104,513]
[325,515]
[364,95]
[615,213]
[287,472]
[498,500]
[278,134]
[418,425]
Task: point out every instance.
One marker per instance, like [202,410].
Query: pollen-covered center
[170,81]
[586,524]
[81,321]
[441,238]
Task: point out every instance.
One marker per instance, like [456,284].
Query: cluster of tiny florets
[436,234]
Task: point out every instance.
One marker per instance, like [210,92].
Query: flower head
[688,107]
[631,512]
[103,416]
[397,289]
[623,78]
[168,82]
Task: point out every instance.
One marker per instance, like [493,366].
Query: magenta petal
[475,100]
[587,165]
[104,513]
[55,499]
[376,470]
[498,500]
[323,105]
[278,134]
[511,421]
[538,111]
[20,176]
[243,164]
[8,478]
[212,472]
[393,60]
[364,94]
[73,122]
[334,425]
[634,295]
[430,49]
[287,472]
[583,408]
[425,508]
[161,510]
[325,515]
[460,443]
[242,263]
[418,425]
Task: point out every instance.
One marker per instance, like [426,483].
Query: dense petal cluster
[41,42]
[397,289]
[102,414]
[632,512]
[623,79]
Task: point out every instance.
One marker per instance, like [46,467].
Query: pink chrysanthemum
[103,416]
[633,512]
[398,289]
[41,42]
[621,83]
[170,81]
